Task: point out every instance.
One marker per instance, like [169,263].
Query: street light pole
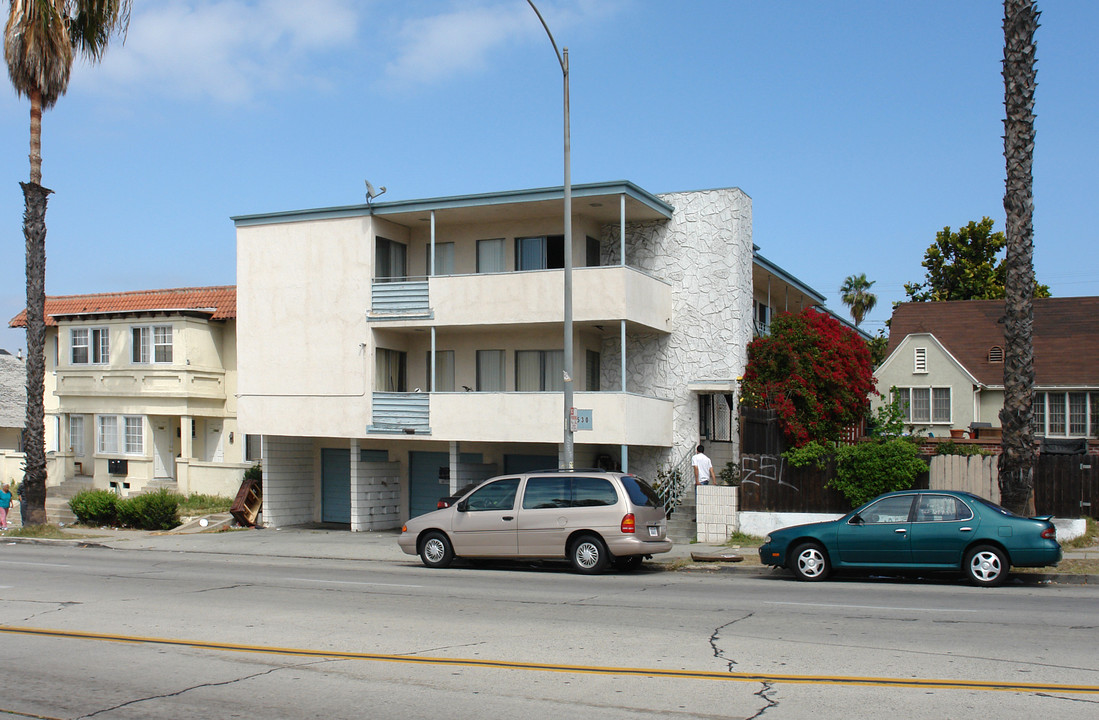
[563,59]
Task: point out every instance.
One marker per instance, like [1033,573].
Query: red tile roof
[1066,336]
[221,301]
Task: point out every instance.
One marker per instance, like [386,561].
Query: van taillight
[629,523]
[1050,533]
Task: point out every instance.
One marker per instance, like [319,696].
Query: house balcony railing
[167,382]
[618,418]
[600,295]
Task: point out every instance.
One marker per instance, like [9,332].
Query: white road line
[352,582]
[870,607]
[35,564]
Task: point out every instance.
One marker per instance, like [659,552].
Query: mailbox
[117,467]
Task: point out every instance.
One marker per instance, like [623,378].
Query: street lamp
[563,59]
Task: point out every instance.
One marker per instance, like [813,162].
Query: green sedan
[926,530]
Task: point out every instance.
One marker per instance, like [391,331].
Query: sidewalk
[335,542]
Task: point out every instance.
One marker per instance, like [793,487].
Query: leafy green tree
[813,371]
[855,294]
[866,470]
[1017,461]
[966,265]
[40,39]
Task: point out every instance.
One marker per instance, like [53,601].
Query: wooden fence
[1065,485]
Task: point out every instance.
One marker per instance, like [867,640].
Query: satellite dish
[371,193]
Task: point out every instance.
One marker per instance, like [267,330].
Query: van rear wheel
[588,554]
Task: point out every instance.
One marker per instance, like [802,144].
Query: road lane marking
[870,607]
[353,582]
[924,683]
[35,564]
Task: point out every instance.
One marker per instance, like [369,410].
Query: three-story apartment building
[141,387]
[392,352]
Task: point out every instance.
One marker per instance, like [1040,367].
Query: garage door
[336,481]
[424,485]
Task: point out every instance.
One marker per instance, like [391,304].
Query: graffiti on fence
[766,468]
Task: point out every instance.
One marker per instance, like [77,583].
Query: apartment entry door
[164,456]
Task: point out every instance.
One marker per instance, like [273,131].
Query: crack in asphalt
[765,695]
[1070,699]
[204,685]
[718,652]
[414,653]
[59,606]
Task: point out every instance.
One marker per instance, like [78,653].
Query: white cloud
[229,50]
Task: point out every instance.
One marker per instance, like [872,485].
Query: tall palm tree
[855,294]
[1019,456]
[40,39]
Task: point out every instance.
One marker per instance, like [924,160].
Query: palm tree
[855,294]
[1019,457]
[39,41]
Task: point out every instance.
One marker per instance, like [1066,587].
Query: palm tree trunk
[36,136]
[33,505]
[1019,456]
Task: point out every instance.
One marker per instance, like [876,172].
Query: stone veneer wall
[705,253]
[287,481]
[375,494]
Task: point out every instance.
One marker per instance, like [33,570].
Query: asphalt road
[97,632]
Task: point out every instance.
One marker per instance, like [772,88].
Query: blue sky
[859,129]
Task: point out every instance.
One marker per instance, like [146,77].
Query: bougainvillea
[814,372]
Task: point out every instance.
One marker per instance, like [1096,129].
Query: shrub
[95,507]
[730,474]
[952,448]
[814,452]
[153,511]
[866,470]
[254,473]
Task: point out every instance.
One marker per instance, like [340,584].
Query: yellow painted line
[924,683]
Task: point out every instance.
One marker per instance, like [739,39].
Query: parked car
[917,530]
[445,502]
[593,518]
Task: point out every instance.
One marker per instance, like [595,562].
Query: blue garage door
[336,481]
[424,472]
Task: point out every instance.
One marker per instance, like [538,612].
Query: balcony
[175,382]
[600,295]
[618,418]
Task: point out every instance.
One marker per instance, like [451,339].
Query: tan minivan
[593,518]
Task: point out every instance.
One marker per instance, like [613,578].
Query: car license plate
[654,531]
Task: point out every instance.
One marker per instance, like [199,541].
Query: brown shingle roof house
[947,361]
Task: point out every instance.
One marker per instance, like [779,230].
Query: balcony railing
[404,413]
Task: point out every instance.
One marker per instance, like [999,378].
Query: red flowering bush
[814,372]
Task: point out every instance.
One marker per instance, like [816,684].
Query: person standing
[704,469]
[5,505]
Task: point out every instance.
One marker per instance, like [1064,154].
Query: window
[390,260]
[593,366]
[444,371]
[151,344]
[893,509]
[920,360]
[925,405]
[499,495]
[941,508]
[444,259]
[1066,414]
[119,434]
[391,370]
[540,253]
[253,448]
[762,314]
[591,252]
[490,370]
[490,256]
[90,345]
[996,354]
[539,370]
[76,435]
[593,492]
[543,493]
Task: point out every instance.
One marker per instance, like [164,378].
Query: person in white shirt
[704,469]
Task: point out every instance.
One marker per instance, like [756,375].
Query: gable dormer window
[920,360]
[995,354]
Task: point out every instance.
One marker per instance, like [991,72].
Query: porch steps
[682,525]
[58,496]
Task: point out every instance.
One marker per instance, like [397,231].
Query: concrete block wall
[375,495]
[288,481]
[716,512]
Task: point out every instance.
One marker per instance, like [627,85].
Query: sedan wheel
[588,555]
[986,566]
[810,562]
[436,552]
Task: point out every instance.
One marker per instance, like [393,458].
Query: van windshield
[640,493]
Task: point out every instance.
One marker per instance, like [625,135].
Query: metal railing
[675,481]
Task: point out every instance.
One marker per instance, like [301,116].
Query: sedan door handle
[966,529]
[902,531]
[508,517]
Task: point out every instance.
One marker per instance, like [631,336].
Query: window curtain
[490,256]
[490,370]
[554,378]
[528,371]
[444,370]
[530,253]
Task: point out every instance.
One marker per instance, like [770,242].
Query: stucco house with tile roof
[420,341]
[141,390]
[946,360]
